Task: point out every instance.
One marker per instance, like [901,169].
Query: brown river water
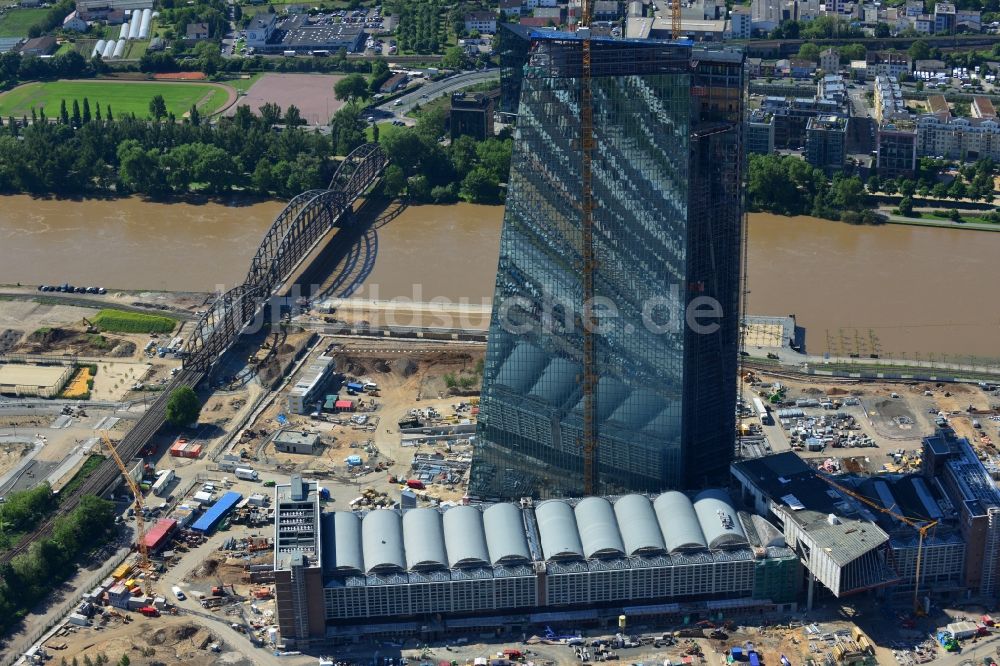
[897,289]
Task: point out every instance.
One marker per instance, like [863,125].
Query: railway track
[108,473]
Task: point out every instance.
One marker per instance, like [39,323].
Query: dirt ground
[29,316]
[11,454]
[311,93]
[147,642]
[114,379]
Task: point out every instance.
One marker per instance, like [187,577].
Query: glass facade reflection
[667,221]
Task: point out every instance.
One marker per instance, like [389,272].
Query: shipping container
[160,488]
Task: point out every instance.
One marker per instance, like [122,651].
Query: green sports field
[124,97]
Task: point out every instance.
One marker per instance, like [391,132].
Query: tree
[919,50]
[158,107]
[183,407]
[351,88]
[809,51]
[906,186]
[394,182]
[954,215]
[194,115]
[293,117]
[882,30]
[454,58]
[86,110]
[270,114]
[481,186]
[906,207]
[63,113]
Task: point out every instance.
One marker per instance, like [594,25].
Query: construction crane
[140,524]
[922,527]
[675,19]
[588,259]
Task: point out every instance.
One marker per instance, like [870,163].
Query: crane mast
[140,524]
[588,259]
[922,527]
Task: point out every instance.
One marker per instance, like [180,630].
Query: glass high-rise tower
[667,167]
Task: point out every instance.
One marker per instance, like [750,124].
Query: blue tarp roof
[208,519]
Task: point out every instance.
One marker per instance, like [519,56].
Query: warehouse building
[307,391]
[210,519]
[866,538]
[519,564]
[296,441]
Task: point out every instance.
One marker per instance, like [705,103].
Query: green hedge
[119,321]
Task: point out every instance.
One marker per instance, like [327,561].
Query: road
[435,89]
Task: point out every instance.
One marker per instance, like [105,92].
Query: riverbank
[941,224]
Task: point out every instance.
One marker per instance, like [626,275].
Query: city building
[846,544]
[826,142]
[888,99]
[829,61]
[481,22]
[832,88]
[298,572]
[938,106]
[972,500]
[791,116]
[512,565]
[301,34]
[297,441]
[159,535]
[896,146]
[196,32]
[668,214]
[395,82]
[982,107]
[766,15]
[967,139]
[887,63]
[260,29]
[471,115]
[970,19]
[510,9]
[944,18]
[740,22]
[39,46]
[74,22]
[308,390]
[607,10]
[760,133]
[99,10]
[513,51]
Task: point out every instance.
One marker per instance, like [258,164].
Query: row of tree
[428,172]
[15,68]
[788,185]
[30,577]
[84,153]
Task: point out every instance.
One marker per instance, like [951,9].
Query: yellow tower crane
[922,527]
[675,19]
[140,524]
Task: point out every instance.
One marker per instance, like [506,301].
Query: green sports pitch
[125,97]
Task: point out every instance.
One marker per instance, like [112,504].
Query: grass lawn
[124,97]
[384,130]
[15,22]
[121,321]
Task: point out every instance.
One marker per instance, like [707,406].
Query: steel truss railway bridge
[294,235]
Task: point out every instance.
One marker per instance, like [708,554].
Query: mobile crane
[140,524]
[922,527]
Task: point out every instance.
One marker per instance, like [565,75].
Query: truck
[416,484]
[149,611]
[163,483]
[178,592]
[762,413]
[288,54]
[245,473]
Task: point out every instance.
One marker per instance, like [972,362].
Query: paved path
[947,224]
[435,89]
